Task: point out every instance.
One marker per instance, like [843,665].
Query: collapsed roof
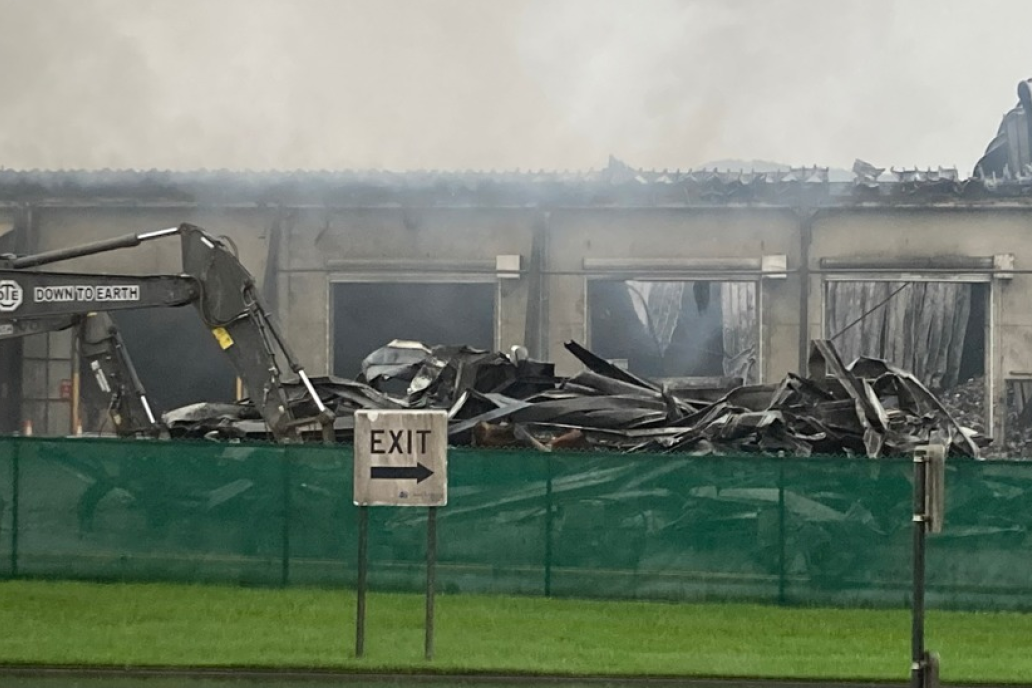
[1009,154]
[615,185]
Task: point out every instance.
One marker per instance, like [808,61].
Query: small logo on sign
[10,296]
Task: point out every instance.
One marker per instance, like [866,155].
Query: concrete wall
[396,245]
[59,227]
[311,247]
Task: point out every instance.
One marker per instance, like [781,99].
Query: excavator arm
[233,309]
[28,295]
[102,349]
[214,281]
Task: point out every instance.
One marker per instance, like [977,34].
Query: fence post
[781,531]
[285,498]
[15,505]
[548,525]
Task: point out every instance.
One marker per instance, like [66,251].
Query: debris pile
[1018,440]
[1018,444]
[966,403]
[867,409]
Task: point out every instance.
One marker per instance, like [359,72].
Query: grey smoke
[517,84]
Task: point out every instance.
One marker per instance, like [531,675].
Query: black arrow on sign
[419,472]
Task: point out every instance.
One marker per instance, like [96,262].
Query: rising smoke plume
[517,84]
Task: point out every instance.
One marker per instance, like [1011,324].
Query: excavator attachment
[102,349]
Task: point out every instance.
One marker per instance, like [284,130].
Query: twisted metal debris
[869,408]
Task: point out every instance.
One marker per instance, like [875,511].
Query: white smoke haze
[528,84]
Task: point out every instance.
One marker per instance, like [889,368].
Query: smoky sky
[513,84]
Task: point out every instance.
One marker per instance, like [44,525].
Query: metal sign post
[431,582]
[929,490]
[363,568]
[401,459]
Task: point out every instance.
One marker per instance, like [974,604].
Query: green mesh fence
[828,531]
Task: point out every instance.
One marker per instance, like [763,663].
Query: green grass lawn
[180,625]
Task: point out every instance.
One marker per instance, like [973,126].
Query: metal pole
[917,627]
[781,532]
[15,509]
[363,565]
[805,241]
[549,525]
[431,566]
[285,534]
[76,385]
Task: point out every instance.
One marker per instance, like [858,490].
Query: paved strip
[258,676]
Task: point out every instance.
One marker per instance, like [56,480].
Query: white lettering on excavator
[118,293]
[85,293]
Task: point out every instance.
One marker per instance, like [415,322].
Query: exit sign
[401,458]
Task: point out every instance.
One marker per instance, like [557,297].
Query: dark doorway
[972,362]
[368,315]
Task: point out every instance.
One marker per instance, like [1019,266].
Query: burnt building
[674,274]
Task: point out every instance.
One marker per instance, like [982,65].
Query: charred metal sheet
[824,359]
[944,425]
[604,367]
[398,360]
[597,383]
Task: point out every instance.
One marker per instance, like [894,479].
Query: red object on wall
[66,389]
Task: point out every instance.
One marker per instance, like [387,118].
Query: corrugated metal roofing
[616,184]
